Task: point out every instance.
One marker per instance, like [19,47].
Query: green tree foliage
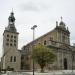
[43,55]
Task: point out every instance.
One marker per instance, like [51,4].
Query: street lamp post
[33,28]
[72,61]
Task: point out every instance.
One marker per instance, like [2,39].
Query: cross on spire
[61,18]
[12,9]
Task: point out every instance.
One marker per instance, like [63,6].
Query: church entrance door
[65,63]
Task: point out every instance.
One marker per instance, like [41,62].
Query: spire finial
[61,18]
[56,23]
[12,9]
[12,13]
[67,28]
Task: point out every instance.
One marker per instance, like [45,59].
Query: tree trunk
[42,69]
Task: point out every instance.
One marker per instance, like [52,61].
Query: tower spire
[56,23]
[12,9]
[11,23]
[11,18]
[62,24]
[61,18]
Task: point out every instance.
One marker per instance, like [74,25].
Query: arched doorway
[65,63]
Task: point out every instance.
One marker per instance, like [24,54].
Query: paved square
[61,72]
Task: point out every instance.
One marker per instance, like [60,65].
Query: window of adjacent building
[45,42]
[14,58]
[11,59]
[7,35]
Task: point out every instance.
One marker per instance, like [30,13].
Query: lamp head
[34,27]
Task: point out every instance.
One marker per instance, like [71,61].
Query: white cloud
[33,6]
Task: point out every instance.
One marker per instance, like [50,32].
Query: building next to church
[58,39]
[11,55]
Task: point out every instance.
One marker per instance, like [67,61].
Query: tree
[43,55]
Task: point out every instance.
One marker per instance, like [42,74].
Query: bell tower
[10,35]
[11,23]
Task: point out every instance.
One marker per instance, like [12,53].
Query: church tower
[63,33]
[10,35]
[11,55]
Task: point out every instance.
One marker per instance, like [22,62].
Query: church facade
[58,39]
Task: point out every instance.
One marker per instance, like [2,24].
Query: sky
[43,13]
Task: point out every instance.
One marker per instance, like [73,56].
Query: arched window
[14,40]
[14,58]
[7,39]
[11,36]
[11,59]
[7,35]
[14,36]
[45,42]
[10,44]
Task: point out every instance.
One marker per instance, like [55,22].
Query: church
[58,39]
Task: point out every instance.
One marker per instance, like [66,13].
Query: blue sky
[43,13]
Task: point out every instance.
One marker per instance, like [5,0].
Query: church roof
[60,27]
